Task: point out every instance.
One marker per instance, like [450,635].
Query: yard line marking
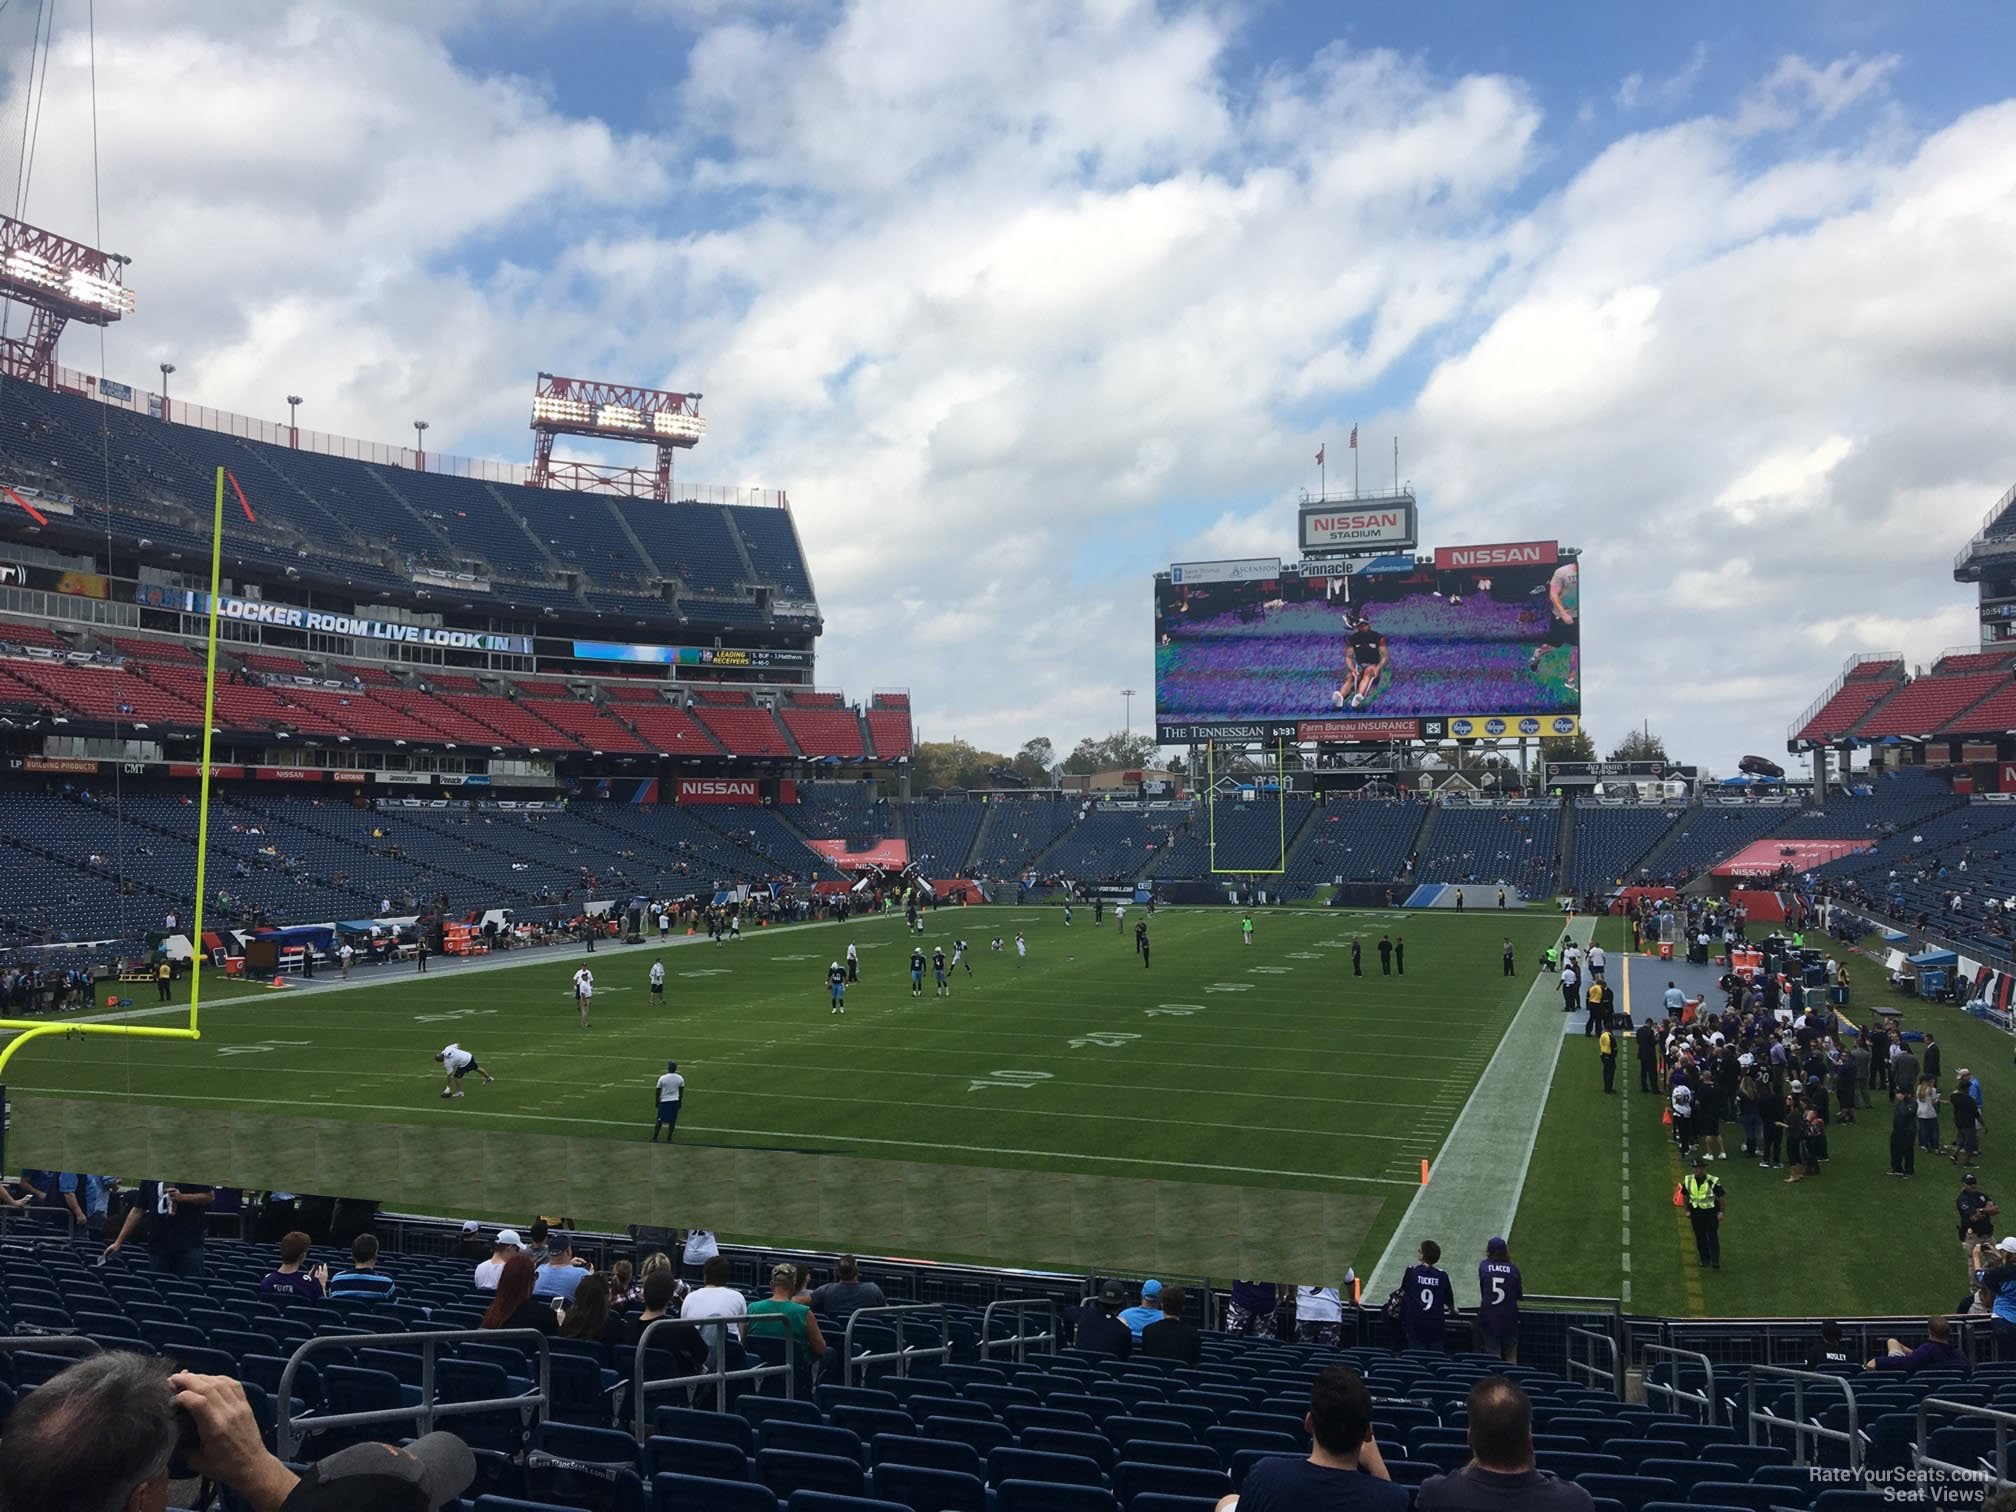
[844,1140]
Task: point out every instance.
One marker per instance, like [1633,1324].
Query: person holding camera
[113,1430]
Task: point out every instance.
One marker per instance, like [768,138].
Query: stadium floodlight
[616,412]
[60,280]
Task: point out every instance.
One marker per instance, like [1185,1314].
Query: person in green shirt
[1246,927]
[781,1316]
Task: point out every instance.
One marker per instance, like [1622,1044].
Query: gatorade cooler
[1665,950]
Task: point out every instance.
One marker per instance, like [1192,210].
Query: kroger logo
[1529,727]
[1564,726]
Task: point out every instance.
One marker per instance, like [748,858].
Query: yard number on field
[1010,1079]
[264,1047]
[1105,1039]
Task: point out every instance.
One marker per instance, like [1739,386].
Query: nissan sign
[1513,554]
[1359,526]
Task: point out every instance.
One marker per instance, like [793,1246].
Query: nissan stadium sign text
[1370,526]
[289,617]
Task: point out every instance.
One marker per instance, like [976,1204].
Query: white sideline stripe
[845,1139]
[1472,1210]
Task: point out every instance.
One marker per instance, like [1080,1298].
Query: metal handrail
[1595,1372]
[1801,1428]
[1704,1398]
[903,1354]
[427,1410]
[2000,1421]
[717,1373]
[1020,1341]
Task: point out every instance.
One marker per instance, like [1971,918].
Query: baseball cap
[1495,1246]
[1112,1293]
[1968,1179]
[1700,1160]
[2007,1246]
[783,1271]
[424,1476]
[510,1237]
[1151,1288]
[559,1239]
[470,1226]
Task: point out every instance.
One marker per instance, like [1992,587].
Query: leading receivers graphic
[1364,663]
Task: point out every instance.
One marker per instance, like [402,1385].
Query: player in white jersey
[853,963]
[584,993]
[459,1063]
[997,942]
[959,956]
[1120,917]
[1021,950]
[657,981]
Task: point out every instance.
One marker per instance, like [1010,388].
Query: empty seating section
[1610,840]
[1842,712]
[1358,840]
[1902,801]
[889,729]
[692,542]
[1917,870]
[1926,703]
[942,834]
[826,732]
[106,693]
[720,849]
[1018,830]
[1707,834]
[1249,837]
[588,725]
[636,690]
[1493,843]
[1061,1431]
[369,525]
[761,832]
[457,719]
[841,811]
[668,730]
[745,732]
[771,541]
[1994,715]
[513,722]
[28,633]
[1974,661]
[1112,845]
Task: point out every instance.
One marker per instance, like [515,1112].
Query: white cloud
[1021,300]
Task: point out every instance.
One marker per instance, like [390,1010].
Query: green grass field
[1233,1109]
[1170,1097]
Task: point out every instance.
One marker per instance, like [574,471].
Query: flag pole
[1396,467]
[1322,472]
[1354,461]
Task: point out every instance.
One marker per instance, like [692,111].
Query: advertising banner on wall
[292,617]
[1243,570]
[1358,525]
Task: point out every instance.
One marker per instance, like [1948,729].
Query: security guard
[1702,1194]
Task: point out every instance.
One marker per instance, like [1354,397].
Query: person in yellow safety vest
[1606,1047]
[1702,1195]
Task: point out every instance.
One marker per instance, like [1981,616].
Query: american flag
[1354,438]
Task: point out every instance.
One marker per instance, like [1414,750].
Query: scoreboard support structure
[1247,757]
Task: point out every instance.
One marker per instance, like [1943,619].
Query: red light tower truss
[615,412]
[59,280]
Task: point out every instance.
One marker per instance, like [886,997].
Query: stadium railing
[1591,1370]
[1803,1425]
[291,1429]
[1019,1341]
[903,1354]
[1995,1418]
[1674,1392]
[717,1374]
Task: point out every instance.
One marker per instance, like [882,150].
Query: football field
[1229,1104]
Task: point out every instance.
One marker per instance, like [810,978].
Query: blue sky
[1023,300]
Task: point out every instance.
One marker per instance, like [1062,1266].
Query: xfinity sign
[1359,525]
[1514,554]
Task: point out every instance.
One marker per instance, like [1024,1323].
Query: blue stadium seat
[1689,1472]
[936,1454]
[1051,1496]
[982,1435]
[1630,1491]
[1093,1446]
[923,1489]
[867,1422]
[826,1501]
[785,1471]
[1133,1479]
[665,1455]
[1571,1464]
[1162,1452]
[1734,1494]
[684,1493]
[1021,1419]
[716,1427]
[762,1409]
[810,1438]
[602,1446]
[1034,1465]
[1127,1428]
[516,1504]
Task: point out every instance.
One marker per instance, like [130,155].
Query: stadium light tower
[1128,694]
[420,446]
[166,369]
[293,420]
[60,281]
[614,412]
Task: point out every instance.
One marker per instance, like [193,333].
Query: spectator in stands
[514,1305]
[535,1236]
[1147,1310]
[715,1298]
[622,1285]
[1499,1290]
[1427,1299]
[782,1316]
[363,1282]
[1100,1330]
[176,1218]
[685,1345]
[1936,1353]
[1500,1476]
[1169,1337]
[1319,1314]
[1830,1350]
[289,1279]
[562,1273]
[1344,1471]
[502,1248]
[1250,1310]
[1926,1096]
[470,1245]
[847,1293]
[654,1262]
[588,1316]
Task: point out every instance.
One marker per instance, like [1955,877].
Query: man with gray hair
[103,1436]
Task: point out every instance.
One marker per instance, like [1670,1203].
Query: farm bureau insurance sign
[289,617]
